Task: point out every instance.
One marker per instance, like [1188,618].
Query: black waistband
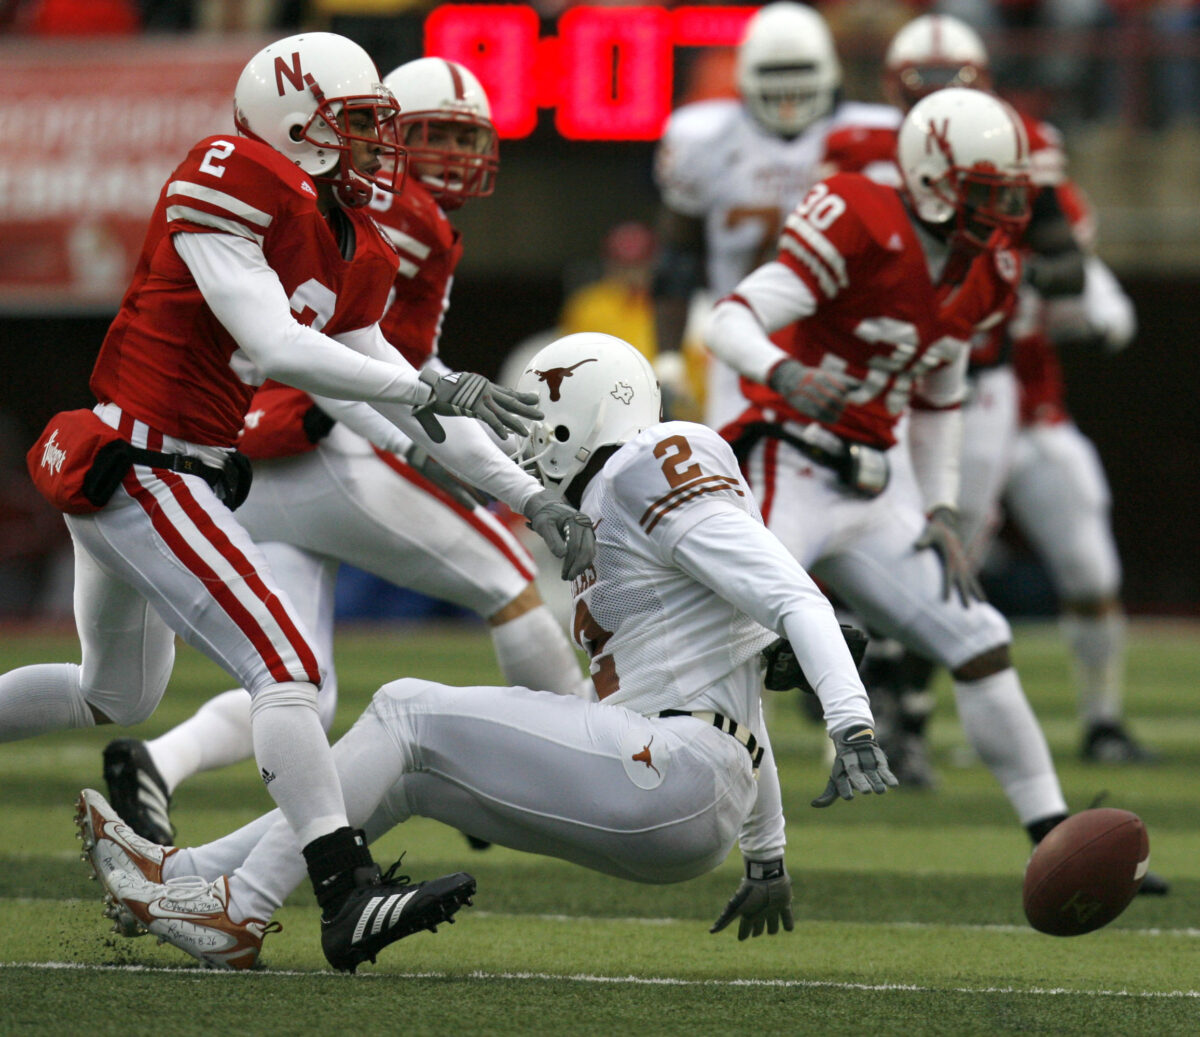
[730,727]
[185,464]
[756,431]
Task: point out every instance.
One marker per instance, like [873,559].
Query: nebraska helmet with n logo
[963,156]
[932,52]
[445,125]
[595,390]
[298,95]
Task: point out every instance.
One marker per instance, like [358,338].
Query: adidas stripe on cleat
[137,791]
[377,915]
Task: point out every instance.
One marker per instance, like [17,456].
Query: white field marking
[579,977]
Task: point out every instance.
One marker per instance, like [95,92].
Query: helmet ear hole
[296,133]
[562,433]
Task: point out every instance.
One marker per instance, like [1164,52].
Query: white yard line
[661,981]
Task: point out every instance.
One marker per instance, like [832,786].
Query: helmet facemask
[454,155]
[788,98]
[345,124]
[906,85]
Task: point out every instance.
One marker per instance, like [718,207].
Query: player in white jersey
[730,170]
[653,780]
[351,496]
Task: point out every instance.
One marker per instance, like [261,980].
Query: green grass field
[908,907]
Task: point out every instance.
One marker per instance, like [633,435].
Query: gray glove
[941,533]
[859,765]
[813,391]
[463,394]
[568,532]
[764,898]
[440,476]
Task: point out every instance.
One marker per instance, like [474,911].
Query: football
[1086,871]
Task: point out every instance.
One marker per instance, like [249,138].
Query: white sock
[533,652]
[223,856]
[1097,646]
[269,864]
[216,736]
[1000,725]
[35,700]
[295,760]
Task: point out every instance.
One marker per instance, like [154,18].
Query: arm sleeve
[935,443]
[936,431]
[469,450]
[766,300]
[742,561]
[763,835]
[248,299]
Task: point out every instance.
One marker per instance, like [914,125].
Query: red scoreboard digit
[608,74]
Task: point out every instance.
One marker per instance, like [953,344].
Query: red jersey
[166,359]
[429,250]
[851,241]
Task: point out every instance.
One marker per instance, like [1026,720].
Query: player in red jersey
[1057,492]
[328,492]
[260,262]
[872,301]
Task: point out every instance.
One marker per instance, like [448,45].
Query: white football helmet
[932,52]
[296,96]
[963,156]
[595,390]
[445,125]
[787,67]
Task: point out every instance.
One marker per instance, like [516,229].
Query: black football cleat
[1153,885]
[1112,743]
[389,910]
[136,790]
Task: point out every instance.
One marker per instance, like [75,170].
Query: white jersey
[674,523]
[717,164]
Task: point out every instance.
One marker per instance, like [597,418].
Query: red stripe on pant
[217,587]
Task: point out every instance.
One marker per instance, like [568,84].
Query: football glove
[463,394]
[762,900]
[813,391]
[568,532]
[783,671]
[859,765]
[436,473]
[941,534]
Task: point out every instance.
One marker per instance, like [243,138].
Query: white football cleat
[109,845]
[188,913]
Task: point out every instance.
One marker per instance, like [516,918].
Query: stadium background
[91,124]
